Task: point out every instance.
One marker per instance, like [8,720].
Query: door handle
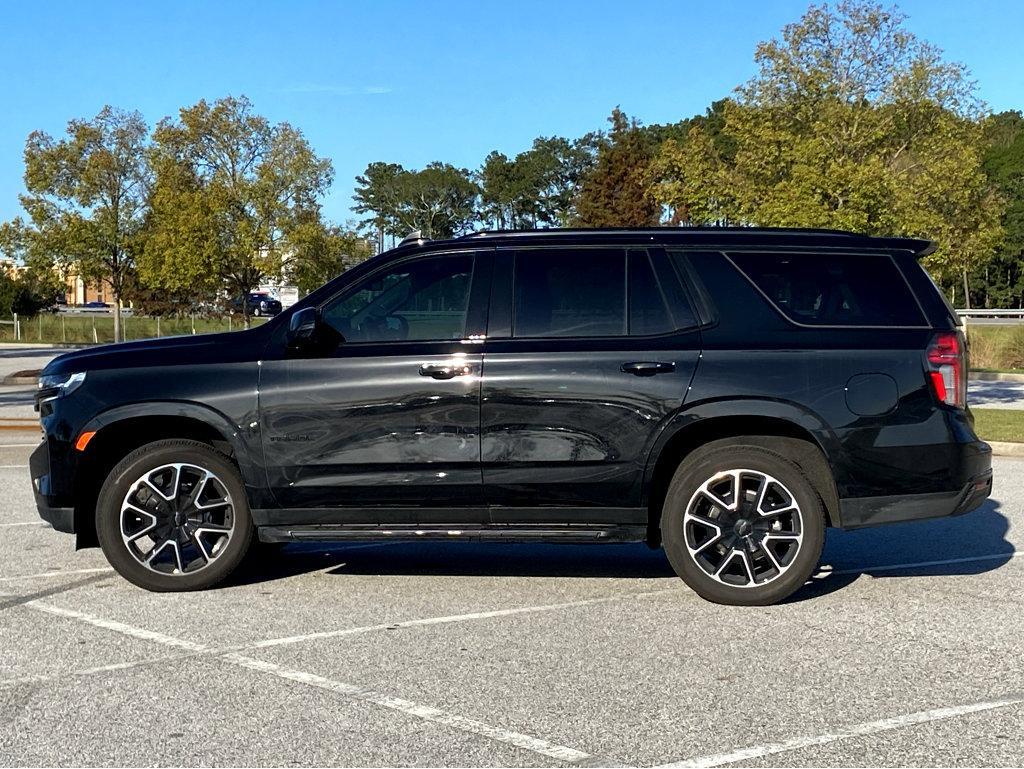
[647,368]
[445,370]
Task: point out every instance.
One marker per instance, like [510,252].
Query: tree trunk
[967,292]
[117,319]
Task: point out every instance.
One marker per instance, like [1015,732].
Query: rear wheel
[741,524]
[173,515]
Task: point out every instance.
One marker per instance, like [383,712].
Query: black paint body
[546,430]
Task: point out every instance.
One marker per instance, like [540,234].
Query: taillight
[947,363]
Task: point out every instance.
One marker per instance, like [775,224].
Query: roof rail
[655,230]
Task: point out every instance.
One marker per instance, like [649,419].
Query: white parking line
[450,618]
[46,574]
[19,445]
[425,712]
[118,627]
[13,467]
[858,730]
[24,523]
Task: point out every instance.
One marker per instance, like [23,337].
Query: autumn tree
[852,123]
[617,191]
[86,200]
[231,192]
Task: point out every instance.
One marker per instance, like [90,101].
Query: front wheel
[741,524]
[173,515]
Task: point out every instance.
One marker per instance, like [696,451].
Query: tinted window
[819,290]
[416,301]
[570,292]
[648,303]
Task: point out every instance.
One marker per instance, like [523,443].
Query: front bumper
[62,518]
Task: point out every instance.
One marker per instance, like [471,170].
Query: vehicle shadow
[995,393]
[462,559]
[974,543]
[968,544]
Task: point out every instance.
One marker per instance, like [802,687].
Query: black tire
[724,456]
[132,468]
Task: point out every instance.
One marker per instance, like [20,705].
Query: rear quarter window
[833,290]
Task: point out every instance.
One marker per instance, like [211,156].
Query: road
[904,650]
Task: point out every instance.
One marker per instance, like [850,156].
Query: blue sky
[412,82]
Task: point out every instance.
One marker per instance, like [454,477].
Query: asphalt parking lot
[905,650]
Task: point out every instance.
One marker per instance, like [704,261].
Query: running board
[568,534]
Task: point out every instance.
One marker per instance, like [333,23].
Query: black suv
[724,393]
[260,304]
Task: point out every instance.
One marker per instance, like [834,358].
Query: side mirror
[309,335]
[302,328]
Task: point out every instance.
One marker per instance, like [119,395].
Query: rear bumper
[859,512]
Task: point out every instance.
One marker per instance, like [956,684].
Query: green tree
[439,200]
[617,191]
[378,193]
[231,191]
[850,123]
[86,201]
[322,253]
[507,196]
[1000,282]
[43,275]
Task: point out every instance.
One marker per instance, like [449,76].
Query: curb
[45,345]
[994,376]
[25,377]
[19,424]
[1006,449]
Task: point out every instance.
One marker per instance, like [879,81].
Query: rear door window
[833,290]
[570,293]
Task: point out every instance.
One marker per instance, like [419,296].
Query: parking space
[903,650]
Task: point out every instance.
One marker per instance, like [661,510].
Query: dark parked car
[260,304]
[724,393]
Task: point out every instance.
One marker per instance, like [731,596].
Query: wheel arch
[806,441]
[120,431]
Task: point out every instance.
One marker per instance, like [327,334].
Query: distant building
[80,291]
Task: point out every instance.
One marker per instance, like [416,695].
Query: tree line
[850,122]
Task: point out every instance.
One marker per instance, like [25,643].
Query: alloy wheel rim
[743,528]
[177,519]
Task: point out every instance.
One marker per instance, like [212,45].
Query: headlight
[55,385]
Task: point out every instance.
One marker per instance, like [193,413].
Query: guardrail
[990,313]
[987,317]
